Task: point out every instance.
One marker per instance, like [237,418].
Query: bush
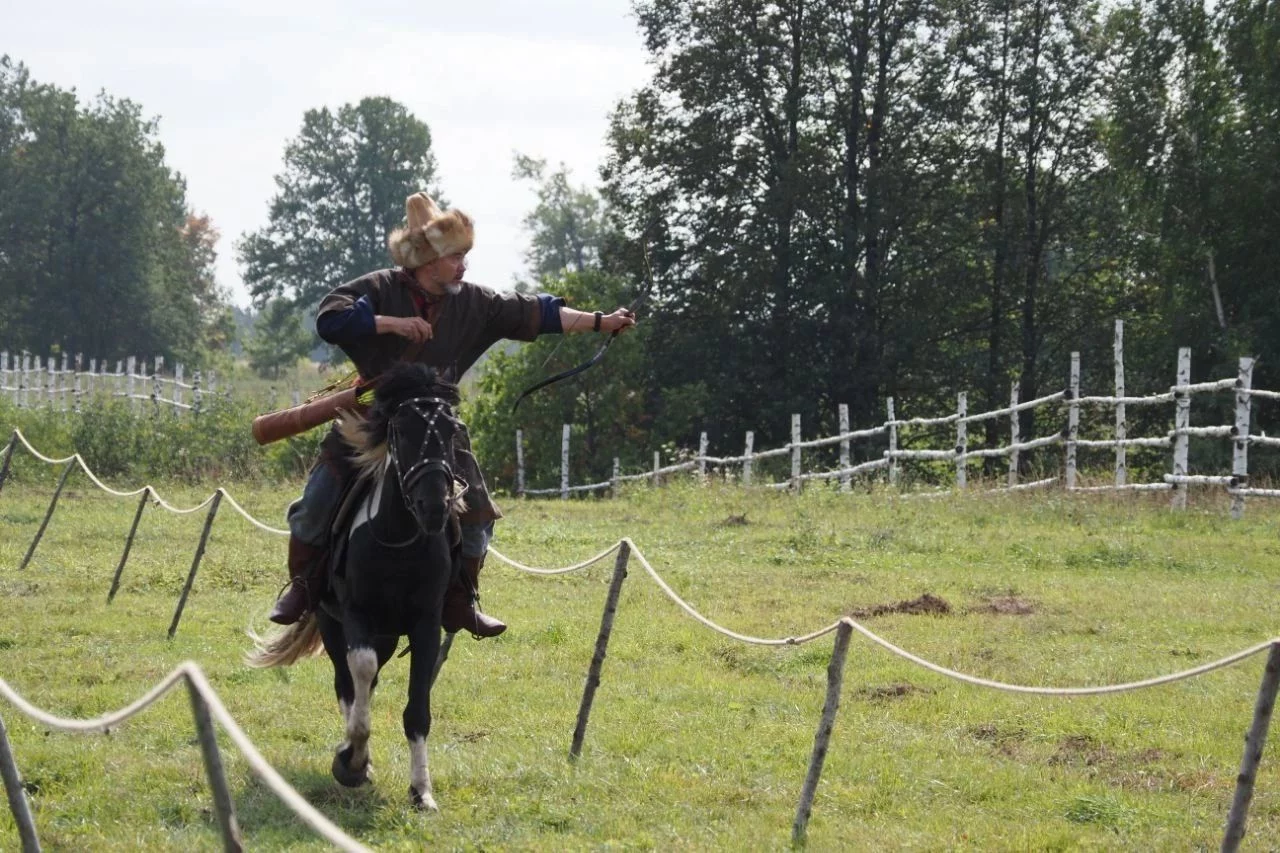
[165,444]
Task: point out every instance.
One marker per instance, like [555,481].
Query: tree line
[100,252]
[816,202]
[837,202]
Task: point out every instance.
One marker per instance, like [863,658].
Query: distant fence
[959,454]
[32,382]
[66,382]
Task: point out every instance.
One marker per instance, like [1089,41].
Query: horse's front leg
[425,643]
[335,644]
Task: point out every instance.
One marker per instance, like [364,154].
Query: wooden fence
[959,454]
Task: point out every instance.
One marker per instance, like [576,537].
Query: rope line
[1063,691]
[159,501]
[249,518]
[903,653]
[758,641]
[566,570]
[190,671]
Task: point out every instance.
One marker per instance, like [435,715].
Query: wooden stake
[1253,745]
[8,458]
[53,504]
[17,795]
[602,646]
[195,563]
[835,681]
[128,544]
[223,806]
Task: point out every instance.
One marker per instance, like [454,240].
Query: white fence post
[155,384]
[77,392]
[1014,432]
[795,453]
[4,370]
[1181,422]
[24,383]
[63,402]
[845,481]
[702,457]
[746,462]
[657,463]
[564,464]
[197,392]
[1240,452]
[519,461]
[893,443]
[1073,420]
[131,365]
[962,440]
[51,385]
[1122,462]
[617,476]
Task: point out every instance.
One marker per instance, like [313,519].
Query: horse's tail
[285,648]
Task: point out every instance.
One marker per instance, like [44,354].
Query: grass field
[696,741]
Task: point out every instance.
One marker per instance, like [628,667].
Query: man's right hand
[414,329]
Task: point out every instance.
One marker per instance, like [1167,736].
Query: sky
[230,80]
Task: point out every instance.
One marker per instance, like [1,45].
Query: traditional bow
[587,365]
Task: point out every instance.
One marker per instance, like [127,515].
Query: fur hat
[430,233]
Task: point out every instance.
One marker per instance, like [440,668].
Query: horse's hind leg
[425,643]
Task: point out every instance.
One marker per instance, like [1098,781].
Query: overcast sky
[230,80]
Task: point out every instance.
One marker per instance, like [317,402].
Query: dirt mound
[926,605]
[1006,605]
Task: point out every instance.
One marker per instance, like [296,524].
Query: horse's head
[412,421]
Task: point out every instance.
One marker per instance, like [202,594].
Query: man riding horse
[420,311]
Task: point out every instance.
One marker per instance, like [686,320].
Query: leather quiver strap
[274,426]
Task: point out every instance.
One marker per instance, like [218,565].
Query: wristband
[596,327]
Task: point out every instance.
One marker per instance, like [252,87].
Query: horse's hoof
[423,802]
[343,772]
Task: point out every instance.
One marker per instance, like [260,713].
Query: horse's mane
[367,434]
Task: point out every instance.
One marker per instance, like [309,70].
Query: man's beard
[453,288]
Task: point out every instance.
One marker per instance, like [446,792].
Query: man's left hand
[619,320]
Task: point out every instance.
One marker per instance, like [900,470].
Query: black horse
[398,553]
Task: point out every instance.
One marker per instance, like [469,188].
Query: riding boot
[462,604]
[306,583]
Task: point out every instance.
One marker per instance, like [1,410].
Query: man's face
[449,270]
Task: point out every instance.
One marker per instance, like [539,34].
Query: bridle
[430,410]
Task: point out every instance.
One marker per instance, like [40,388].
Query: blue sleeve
[337,327]
[551,306]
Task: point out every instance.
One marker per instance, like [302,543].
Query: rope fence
[206,705]
[888,454]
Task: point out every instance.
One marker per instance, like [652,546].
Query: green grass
[696,741]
